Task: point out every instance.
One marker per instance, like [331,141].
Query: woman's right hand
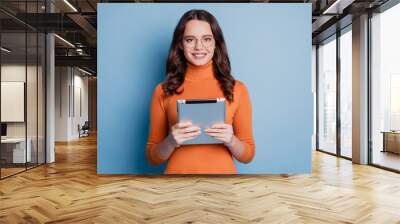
[184,131]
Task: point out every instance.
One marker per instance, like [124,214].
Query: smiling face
[198,42]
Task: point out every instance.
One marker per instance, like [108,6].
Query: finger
[187,130]
[220,126]
[190,134]
[190,129]
[183,124]
[214,130]
[187,138]
[219,135]
[221,138]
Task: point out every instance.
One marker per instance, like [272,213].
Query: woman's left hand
[222,132]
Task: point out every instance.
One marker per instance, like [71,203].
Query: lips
[199,55]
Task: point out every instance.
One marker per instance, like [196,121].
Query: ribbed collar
[202,72]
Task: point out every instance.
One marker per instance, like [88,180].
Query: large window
[385,88]
[334,65]
[327,95]
[346,92]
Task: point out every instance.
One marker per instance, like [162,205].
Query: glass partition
[14,153]
[22,89]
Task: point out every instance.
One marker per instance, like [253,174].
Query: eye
[188,40]
[208,39]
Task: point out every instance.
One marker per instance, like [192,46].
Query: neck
[201,72]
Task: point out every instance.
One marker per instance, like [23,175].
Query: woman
[198,67]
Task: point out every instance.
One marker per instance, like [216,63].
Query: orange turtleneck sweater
[200,83]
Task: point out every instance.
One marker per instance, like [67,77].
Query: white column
[360,90]
[50,93]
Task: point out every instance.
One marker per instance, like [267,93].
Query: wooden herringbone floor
[69,191]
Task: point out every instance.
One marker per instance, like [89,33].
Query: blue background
[270,50]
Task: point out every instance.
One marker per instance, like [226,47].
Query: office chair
[84,130]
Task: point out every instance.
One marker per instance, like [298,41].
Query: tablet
[202,113]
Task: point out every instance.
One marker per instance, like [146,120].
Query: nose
[198,44]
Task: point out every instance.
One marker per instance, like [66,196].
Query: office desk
[13,150]
[391,141]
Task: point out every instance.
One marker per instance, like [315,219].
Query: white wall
[12,73]
[70,83]
[62,81]
[33,127]
[79,117]
[15,72]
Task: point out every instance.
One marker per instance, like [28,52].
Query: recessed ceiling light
[84,71]
[337,7]
[5,50]
[64,40]
[70,5]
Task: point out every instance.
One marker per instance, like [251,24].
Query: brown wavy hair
[176,63]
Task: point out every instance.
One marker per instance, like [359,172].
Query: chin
[199,62]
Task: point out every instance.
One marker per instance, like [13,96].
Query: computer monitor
[3,129]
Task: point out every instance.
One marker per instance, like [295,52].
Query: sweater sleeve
[242,124]
[158,126]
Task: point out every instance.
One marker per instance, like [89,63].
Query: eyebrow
[208,35]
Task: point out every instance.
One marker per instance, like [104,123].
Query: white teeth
[199,55]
